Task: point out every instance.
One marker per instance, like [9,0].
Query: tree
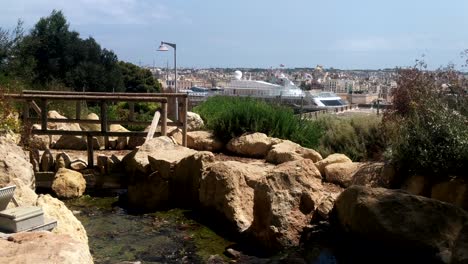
[56,54]
[137,79]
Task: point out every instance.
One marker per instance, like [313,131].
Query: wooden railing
[31,98]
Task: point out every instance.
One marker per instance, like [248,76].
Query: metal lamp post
[163,47]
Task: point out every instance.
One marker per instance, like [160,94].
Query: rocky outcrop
[255,145]
[228,188]
[203,140]
[61,126]
[137,160]
[341,173]
[374,174]
[67,223]
[68,184]
[194,121]
[285,202]
[333,158]
[43,248]
[400,221]
[14,165]
[163,174]
[288,151]
[454,191]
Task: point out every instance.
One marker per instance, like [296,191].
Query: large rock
[228,188]
[255,145]
[43,248]
[288,151]
[14,165]
[68,183]
[118,142]
[285,202]
[203,140]
[61,126]
[194,121]
[163,174]
[341,173]
[454,191]
[41,142]
[67,224]
[47,161]
[460,250]
[93,127]
[331,159]
[75,143]
[137,160]
[401,222]
[374,174]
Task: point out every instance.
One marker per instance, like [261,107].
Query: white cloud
[82,12]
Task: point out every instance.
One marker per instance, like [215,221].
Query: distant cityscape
[355,86]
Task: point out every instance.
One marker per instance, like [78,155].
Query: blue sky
[347,34]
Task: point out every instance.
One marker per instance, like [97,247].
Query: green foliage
[359,137]
[432,137]
[232,116]
[138,80]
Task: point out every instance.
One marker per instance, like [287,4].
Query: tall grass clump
[361,138]
[229,117]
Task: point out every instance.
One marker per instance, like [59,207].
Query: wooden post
[184,120]
[89,140]
[163,119]
[78,110]
[26,111]
[104,127]
[43,114]
[131,113]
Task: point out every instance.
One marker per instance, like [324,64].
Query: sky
[344,34]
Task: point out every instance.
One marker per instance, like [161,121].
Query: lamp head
[163,47]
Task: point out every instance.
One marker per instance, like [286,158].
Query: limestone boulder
[78,165]
[75,143]
[68,183]
[333,158]
[61,126]
[288,151]
[194,121]
[285,202]
[163,174]
[460,250]
[47,161]
[93,127]
[14,165]
[227,188]
[40,142]
[118,142]
[401,222]
[374,174]
[43,248]
[416,184]
[65,163]
[137,160]
[67,224]
[203,141]
[255,145]
[341,173]
[454,191]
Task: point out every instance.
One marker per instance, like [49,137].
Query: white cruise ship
[286,90]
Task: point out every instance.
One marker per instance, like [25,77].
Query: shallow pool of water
[173,236]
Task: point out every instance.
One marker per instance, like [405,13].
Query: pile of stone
[68,242]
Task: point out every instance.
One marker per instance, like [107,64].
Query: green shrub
[358,137]
[429,111]
[229,117]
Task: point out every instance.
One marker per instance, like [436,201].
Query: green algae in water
[161,237]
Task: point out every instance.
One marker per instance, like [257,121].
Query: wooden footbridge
[38,102]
